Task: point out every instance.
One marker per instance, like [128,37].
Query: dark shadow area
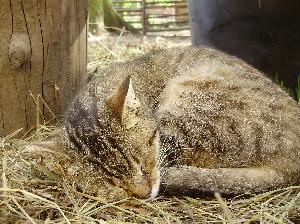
[264,33]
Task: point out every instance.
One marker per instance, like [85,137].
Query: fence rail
[154,15]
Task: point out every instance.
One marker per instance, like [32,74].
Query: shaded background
[265,33]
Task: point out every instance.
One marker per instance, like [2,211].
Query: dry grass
[106,49]
[30,194]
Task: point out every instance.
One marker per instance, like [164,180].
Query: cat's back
[210,110]
[152,72]
[209,93]
[230,114]
[207,99]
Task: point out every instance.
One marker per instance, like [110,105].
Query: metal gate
[154,15]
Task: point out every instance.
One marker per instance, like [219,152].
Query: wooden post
[43,52]
[144,17]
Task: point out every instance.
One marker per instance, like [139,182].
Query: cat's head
[133,161]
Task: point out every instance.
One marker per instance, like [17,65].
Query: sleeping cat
[187,121]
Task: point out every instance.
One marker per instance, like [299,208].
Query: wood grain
[55,69]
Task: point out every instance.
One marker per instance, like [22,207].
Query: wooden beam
[42,56]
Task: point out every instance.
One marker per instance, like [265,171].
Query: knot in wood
[19,50]
[16,57]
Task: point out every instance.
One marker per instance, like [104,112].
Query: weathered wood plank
[53,68]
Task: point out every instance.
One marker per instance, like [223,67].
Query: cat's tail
[191,181]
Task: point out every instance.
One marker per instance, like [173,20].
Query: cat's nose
[140,191]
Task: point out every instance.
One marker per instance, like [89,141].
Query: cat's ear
[124,104]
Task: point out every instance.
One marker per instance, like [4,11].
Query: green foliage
[287,89]
[95,10]
[95,15]
[282,85]
[112,20]
[130,4]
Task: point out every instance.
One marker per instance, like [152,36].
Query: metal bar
[144,17]
[165,30]
[169,2]
[164,6]
[134,21]
[147,2]
[166,15]
[119,9]
[135,14]
[168,23]
[138,13]
[129,1]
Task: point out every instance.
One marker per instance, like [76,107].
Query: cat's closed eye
[151,139]
[144,173]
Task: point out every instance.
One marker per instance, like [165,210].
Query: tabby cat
[183,121]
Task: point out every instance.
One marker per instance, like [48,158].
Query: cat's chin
[155,187]
[145,189]
[155,190]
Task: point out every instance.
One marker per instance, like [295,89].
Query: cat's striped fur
[190,119]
